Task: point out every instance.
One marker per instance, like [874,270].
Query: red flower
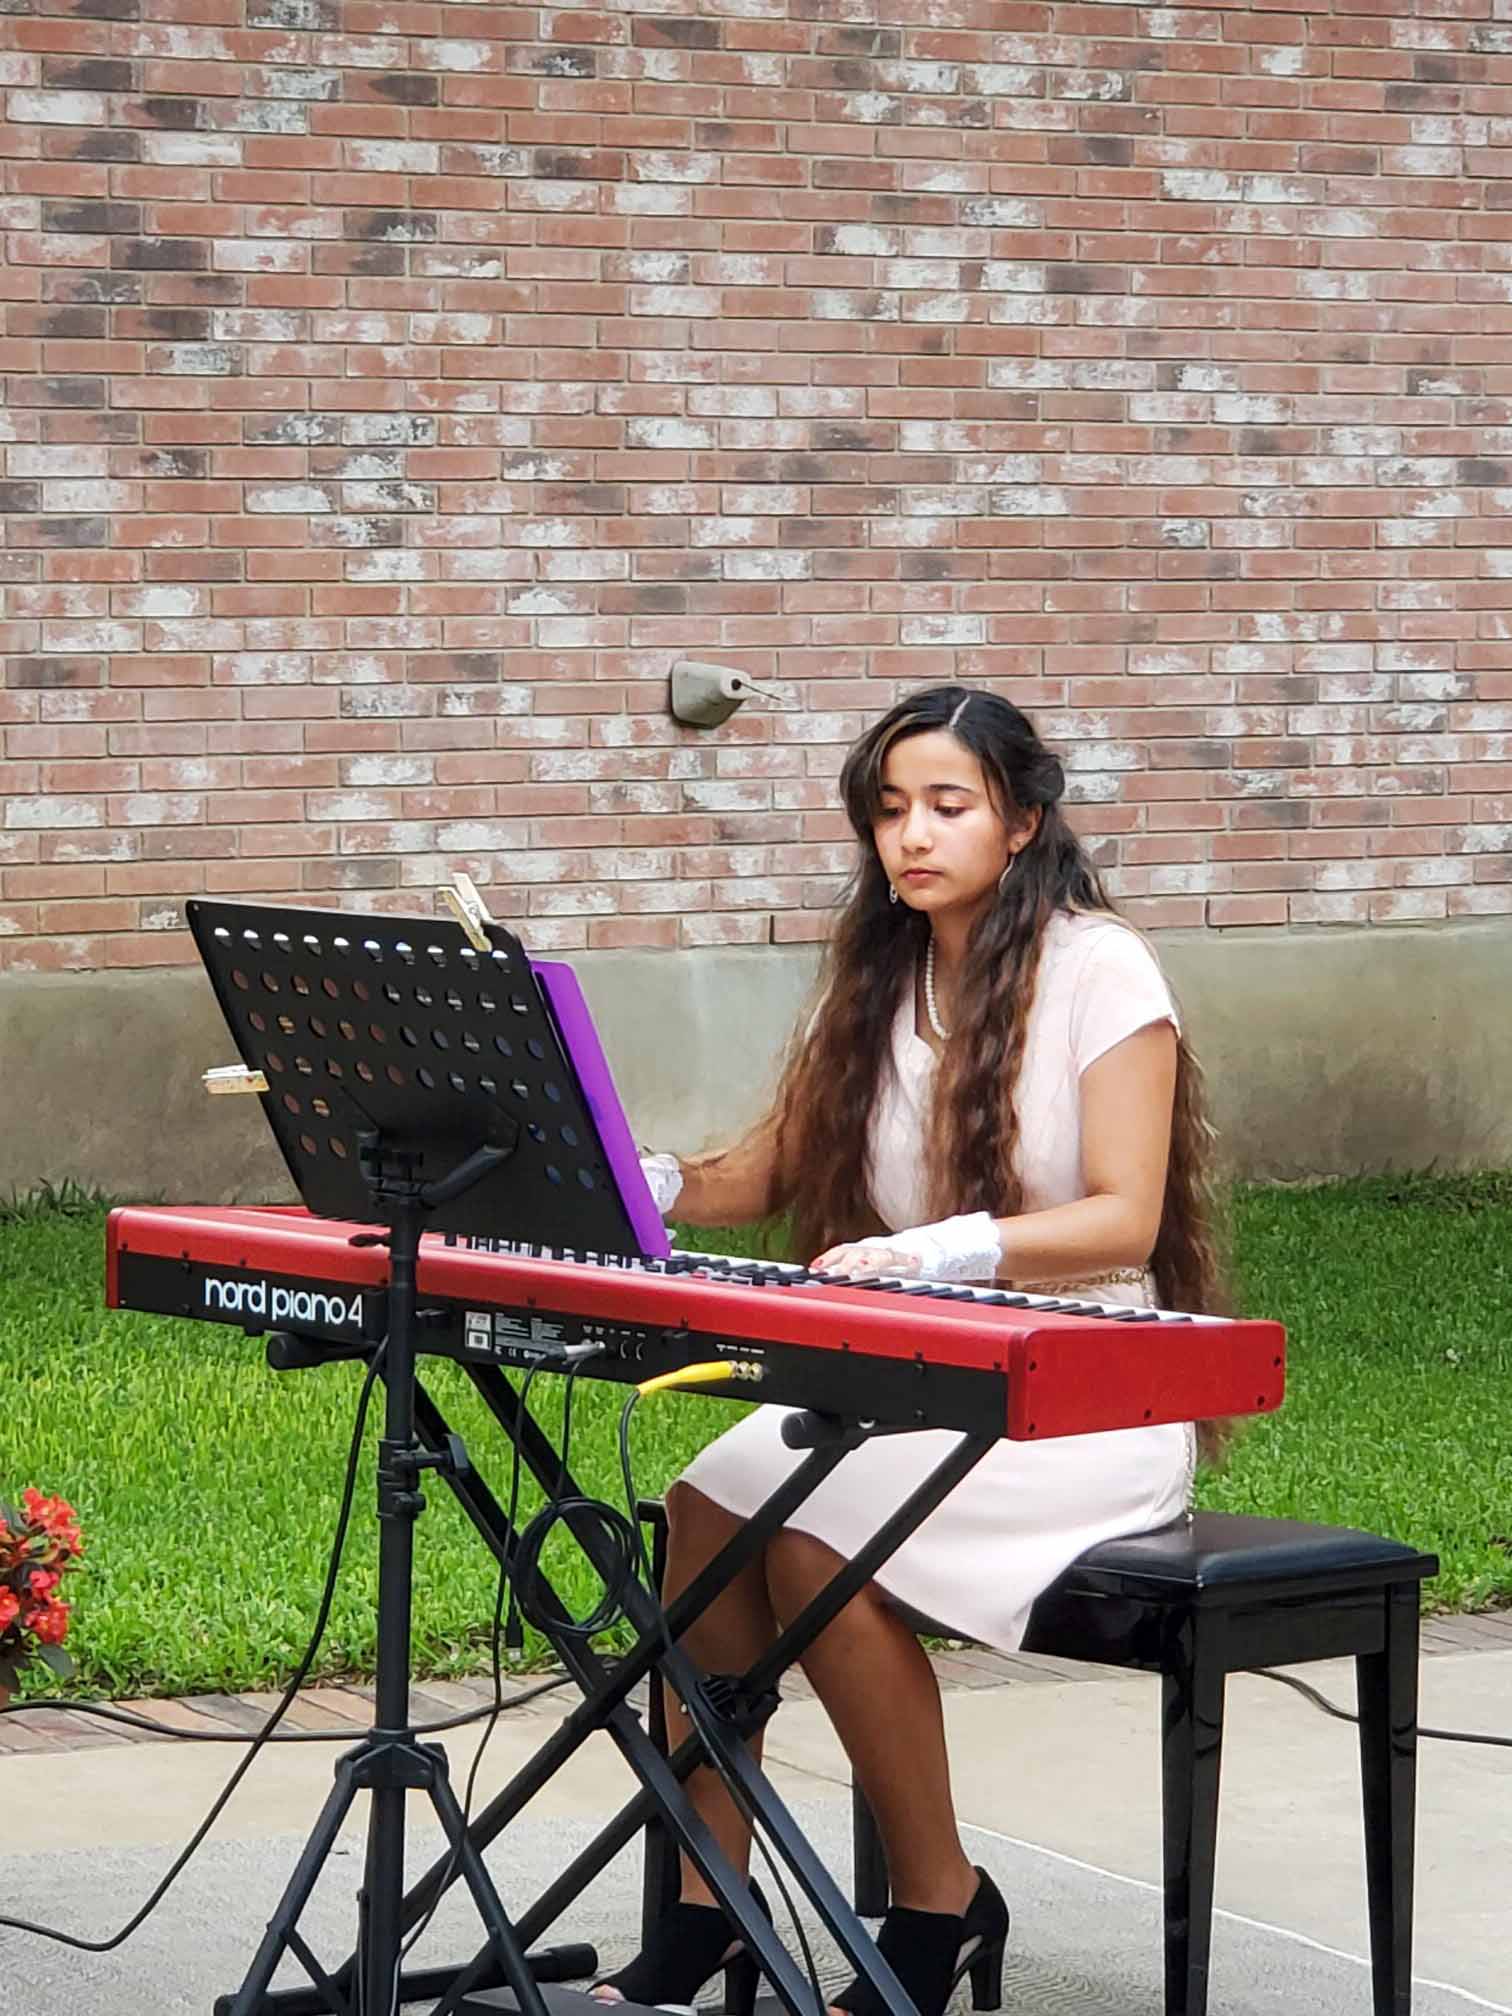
[55,1517]
[39,1545]
[50,1622]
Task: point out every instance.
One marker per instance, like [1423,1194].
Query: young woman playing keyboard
[994,1085]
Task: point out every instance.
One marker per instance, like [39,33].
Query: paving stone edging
[349,1707]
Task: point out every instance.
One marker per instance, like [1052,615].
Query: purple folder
[580,1040]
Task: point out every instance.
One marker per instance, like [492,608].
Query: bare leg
[879,1690]
[731,1635]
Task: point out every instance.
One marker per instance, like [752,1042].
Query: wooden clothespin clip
[234,1078]
[470,911]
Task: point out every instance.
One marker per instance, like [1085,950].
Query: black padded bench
[1221,1593]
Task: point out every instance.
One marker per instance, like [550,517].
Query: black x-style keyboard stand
[730,1710]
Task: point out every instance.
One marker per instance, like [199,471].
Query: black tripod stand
[390,1762]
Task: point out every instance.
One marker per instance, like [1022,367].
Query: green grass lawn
[208,1485]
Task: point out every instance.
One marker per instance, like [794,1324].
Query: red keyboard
[906,1354]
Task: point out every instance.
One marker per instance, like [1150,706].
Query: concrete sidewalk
[1057,1784]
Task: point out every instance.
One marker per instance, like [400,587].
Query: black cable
[1343,1715]
[533,1591]
[327,1596]
[694,1709]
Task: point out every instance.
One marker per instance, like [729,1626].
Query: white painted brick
[566,633]
[868,241]
[869,108]
[780,499]
[651,200]
[394,157]
[1030,502]
[658,268]
[26,460]
[552,532]
[290,499]
[999,80]
[675,302]
[767,566]
[44,814]
[57,108]
[88,638]
[658,165]
[540,601]
[1012,276]
[1331,286]
[933,79]
[1198,185]
[389,563]
[192,150]
[943,630]
[749,402]
[458,55]
[942,503]
[595,565]
[378,770]
[1343,223]
[937,308]
[704,532]
[844,304]
[668,431]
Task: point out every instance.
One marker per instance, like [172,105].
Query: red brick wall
[393,390]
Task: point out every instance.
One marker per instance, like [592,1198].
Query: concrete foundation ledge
[1327,1053]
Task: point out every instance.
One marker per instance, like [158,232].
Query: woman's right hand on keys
[664,1179]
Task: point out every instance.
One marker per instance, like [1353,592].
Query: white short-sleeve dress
[1028,1508]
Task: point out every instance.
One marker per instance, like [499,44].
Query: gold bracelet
[1118,1277]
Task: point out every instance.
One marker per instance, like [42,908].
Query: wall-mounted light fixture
[705,695]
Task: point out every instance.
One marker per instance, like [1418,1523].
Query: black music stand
[414,1082]
[315,1000]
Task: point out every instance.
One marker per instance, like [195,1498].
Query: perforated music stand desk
[400,1026]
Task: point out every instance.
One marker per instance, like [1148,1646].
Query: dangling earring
[1003,878]
[892,894]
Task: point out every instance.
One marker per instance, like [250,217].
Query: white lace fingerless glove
[663,1179]
[954,1249]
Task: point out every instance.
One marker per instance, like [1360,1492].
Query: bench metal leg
[1191,1753]
[1388,1691]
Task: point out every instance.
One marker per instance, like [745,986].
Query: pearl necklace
[929,995]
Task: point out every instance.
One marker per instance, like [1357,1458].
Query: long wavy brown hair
[832,1075]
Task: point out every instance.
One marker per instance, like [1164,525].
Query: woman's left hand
[867,1257]
[955,1249]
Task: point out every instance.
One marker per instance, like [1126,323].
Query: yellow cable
[708,1374]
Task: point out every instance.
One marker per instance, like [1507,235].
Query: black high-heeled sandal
[686,1949]
[930,1951]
